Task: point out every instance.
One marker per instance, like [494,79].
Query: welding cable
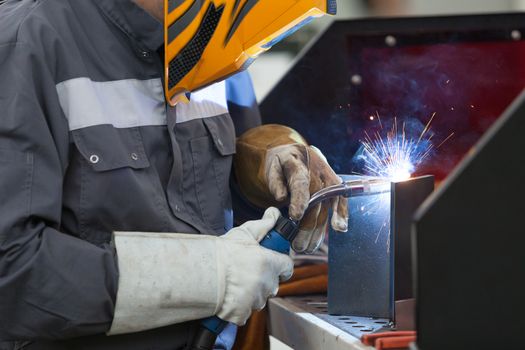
[390,339]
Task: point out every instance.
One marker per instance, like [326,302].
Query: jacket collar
[134,21]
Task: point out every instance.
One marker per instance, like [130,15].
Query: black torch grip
[204,339]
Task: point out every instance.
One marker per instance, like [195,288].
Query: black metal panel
[406,198]
[470,239]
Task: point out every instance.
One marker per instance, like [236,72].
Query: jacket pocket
[212,162]
[116,189]
[107,148]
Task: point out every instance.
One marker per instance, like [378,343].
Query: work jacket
[88,147]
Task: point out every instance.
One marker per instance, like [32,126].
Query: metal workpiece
[359,260]
[303,323]
[370,265]
[406,198]
[354,325]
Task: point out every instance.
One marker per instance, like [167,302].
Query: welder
[116,227]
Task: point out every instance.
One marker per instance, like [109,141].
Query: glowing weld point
[400,175]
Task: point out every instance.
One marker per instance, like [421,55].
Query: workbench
[303,324]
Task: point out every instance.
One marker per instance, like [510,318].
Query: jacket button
[145,54]
[94,158]
[134,156]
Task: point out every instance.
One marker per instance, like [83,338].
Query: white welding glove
[171,278]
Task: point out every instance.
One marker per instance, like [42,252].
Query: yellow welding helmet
[208,40]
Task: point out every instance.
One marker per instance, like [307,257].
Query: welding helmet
[208,40]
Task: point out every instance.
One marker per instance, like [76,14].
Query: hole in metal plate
[317,305]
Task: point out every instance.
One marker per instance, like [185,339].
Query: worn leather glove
[167,278]
[274,166]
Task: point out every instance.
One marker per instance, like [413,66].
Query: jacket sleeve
[245,113]
[242,103]
[52,285]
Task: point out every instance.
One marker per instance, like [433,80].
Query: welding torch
[280,237]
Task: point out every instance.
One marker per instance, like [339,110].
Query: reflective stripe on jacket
[88,147]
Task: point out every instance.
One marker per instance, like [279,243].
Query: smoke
[409,85]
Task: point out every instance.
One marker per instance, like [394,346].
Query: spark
[393,154]
[380,230]
[445,140]
[379,120]
[427,127]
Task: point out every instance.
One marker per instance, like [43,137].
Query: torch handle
[278,239]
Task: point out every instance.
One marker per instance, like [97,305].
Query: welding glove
[274,166]
[167,278]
